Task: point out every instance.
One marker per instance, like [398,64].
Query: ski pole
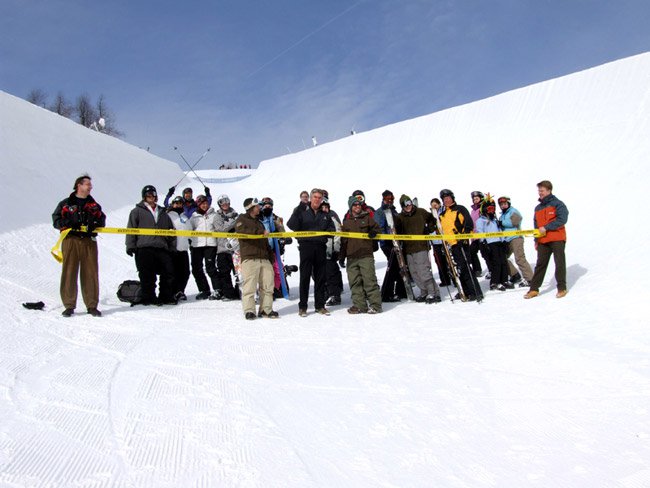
[472,278]
[192,166]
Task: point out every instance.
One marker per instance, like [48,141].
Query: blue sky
[257,79]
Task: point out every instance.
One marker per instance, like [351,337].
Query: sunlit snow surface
[510,392]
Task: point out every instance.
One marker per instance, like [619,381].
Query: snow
[543,392]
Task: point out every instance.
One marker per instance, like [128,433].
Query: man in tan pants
[79,248]
[256,262]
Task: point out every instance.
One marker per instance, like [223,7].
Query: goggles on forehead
[252,204]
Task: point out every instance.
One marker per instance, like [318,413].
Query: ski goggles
[408,203]
[266,201]
[252,204]
[223,201]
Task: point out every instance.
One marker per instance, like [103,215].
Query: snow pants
[363,283]
[393,283]
[420,268]
[152,261]
[516,247]
[181,262]
[209,255]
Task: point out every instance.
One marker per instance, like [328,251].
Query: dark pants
[442,264]
[393,283]
[312,261]
[468,281]
[333,278]
[181,262]
[474,248]
[497,262]
[209,255]
[225,269]
[152,261]
[544,252]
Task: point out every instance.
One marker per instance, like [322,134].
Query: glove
[130,252]
[171,191]
[342,263]
[372,233]
[207,191]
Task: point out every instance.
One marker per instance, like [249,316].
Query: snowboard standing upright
[236,262]
[401,262]
[278,258]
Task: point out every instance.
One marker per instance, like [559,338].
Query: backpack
[130,291]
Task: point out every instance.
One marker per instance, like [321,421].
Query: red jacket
[551,214]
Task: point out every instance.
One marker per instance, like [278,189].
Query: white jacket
[204,223]
[181,222]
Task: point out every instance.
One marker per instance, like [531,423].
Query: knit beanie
[403,199]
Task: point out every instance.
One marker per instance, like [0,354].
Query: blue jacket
[483,224]
[507,224]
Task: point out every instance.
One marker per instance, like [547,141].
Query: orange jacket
[551,214]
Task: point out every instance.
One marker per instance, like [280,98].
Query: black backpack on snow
[130,291]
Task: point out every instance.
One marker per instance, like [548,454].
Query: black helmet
[149,189]
[447,193]
[477,194]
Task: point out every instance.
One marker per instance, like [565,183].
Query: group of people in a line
[321,257]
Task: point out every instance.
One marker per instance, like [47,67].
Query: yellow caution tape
[56,250]
[305,234]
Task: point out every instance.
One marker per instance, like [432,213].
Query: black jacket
[305,219]
[74,212]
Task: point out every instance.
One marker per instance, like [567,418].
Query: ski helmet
[222,200]
[149,190]
[447,193]
[477,194]
[200,199]
[504,199]
[177,200]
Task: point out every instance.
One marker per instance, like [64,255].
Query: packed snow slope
[509,392]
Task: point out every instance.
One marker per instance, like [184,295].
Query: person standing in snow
[551,216]
[225,222]
[204,249]
[455,219]
[510,219]
[79,248]
[180,257]
[392,287]
[495,247]
[256,263]
[267,217]
[438,247]
[312,250]
[417,221]
[152,253]
[366,297]
[475,245]
[333,277]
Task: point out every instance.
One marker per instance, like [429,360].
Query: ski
[401,262]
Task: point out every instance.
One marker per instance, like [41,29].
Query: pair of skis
[450,260]
[401,262]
